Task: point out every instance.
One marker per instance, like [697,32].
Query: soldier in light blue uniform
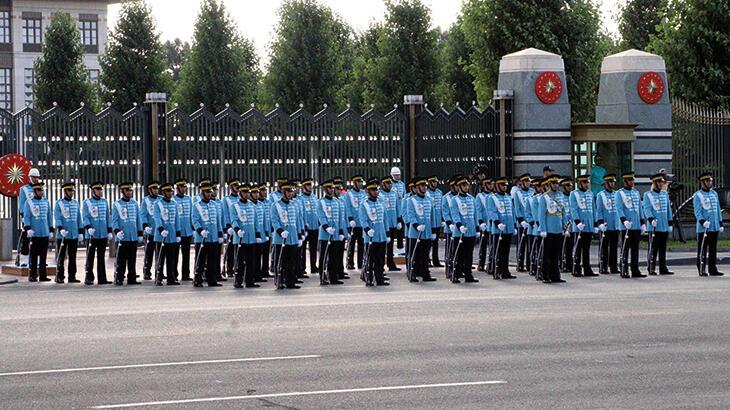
[226,205]
[520,199]
[353,198]
[658,213]
[26,193]
[330,221]
[609,225]
[463,217]
[419,216]
[38,225]
[448,225]
[551,218]
[581,207]
[502,227]
[246,227]
[372,218]
[167,235]
[343,235]
[566,257]
[219,246]
[184,213]
[392,205]
[309,202]
[127,228]
[147,213]
[485,242]
[709,225]
[265,246]
[67,219]
[208,233]
[631,215]
[534,231]
[97,222]
[286,239]
[437,218]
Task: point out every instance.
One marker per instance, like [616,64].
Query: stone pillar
[634,89]
[541,111]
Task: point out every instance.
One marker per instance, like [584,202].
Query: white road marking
[305,393]
[135,366]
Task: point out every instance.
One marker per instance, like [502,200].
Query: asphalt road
[604,342]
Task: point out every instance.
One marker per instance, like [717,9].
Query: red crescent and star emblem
[14,169]
[650,87]
[548,87]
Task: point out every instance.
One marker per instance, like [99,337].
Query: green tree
[310,57]
[570,28]
[133,63]
[61,75]
[638,20]
[406,62]
[222,67]
[694,40]
[455,84]
[176,53]
[359,85]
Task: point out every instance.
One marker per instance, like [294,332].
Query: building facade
[23,24]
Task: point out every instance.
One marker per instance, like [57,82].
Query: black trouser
[375,263]
[208,263]
[464,256]
[310,242]
[337,267]
[126,261]
[355,241]
[167,253]
[537,252]
[435,247]
[420,252]
[399,235]
[523,249]
[632,248]
[566,253]
[484,245]
[551,254]
[245,271]
[289,255]
[325,257]
[38,252]
[659,249]
[710,251]
[228,258]
[150,250]
[24,242]
[502,248]
[185,256]
[264,249]
[96,248]
[389,248]
[66,247]
[609,252]
[582,256]
[448,254]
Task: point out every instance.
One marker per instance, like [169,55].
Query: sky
[256,18]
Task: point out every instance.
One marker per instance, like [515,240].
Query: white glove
[147,231]
[671,228]
[30,233]
[91,231]
[627,224]
[643,228]
[371,232]
[483,227]
[204,233]
[581,226]
[653,223]
[230,231]
[443,224]
[259,240]
[109,236]
[300,243]
[178,239]
[284,234]
[722,229]
[595,230]
[352,224]
[165,233]
[387,240]
[81,237]
[225,236]
[341,237]
[603,227]
[139,238]
[330,230]
[462,229]
[120,235]
[421,228]
[566,233]
[452,227]
[433,236]
[220,240]
[63,232]
[706,225]
[514,232]
[399,225]
[240,233]
[501,227]
[525,225]
[543,234]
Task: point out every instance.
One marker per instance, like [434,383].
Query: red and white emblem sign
[548,87]
[14,169]
[650,87]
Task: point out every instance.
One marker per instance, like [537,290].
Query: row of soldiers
[551,223]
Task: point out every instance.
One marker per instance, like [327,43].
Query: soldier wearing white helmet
[26,193]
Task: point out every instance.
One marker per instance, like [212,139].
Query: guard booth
[599,149]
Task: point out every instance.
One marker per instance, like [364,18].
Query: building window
[88,31]
[32,31]
[29,82]
[6,93]
[93,76]
[4,27]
